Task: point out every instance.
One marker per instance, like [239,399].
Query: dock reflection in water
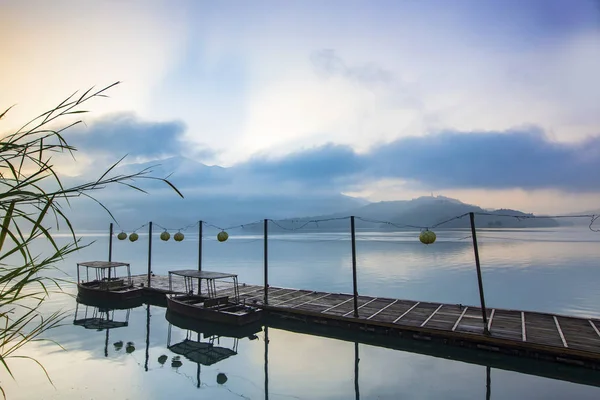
[207,345]
[103,319]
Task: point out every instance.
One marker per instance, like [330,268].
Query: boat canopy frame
[101,318]
[189,275]
[202,352]
[105,270]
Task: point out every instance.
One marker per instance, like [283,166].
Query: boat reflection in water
[207,343]
[104,318]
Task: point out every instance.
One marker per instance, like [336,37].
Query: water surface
[537,269]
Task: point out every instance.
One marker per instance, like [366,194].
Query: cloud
[322,166]
[328,63]
[519,158]
[124,133]
[356,74]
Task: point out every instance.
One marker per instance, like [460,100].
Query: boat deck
[552,337]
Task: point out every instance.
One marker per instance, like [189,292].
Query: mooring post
[200,245]
[150,254]
[479,280]
[354,283]
[110,243]
[200,223]
[266,256]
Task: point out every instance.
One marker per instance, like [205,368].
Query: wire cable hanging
[304,223]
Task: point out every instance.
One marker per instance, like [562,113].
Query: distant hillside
[423,211]
[580,221]
[218,195]
[231,196]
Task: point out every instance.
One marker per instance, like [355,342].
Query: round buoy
[122,236]
[176,362]
[427,237]
[165,236]
[222,236]
[133,237]
[221,378]
[178,237]
[162,359]
[130,347]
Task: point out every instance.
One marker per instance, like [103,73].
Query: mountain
[427,211]
[228,196]
[581,220]
[218,195]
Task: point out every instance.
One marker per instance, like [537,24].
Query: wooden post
[479,280]
[110,250]
[200,223]
[266,260]
[150,255]
[200,246]
[110,243]
[354,283]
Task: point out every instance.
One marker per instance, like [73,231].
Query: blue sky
[493,102]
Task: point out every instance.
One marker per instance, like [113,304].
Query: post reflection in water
[488,383]
[356,359]
[205,343]
[147,337]
[266,362]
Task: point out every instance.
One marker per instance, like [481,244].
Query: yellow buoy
[165,236]
[133,237]
[178,237]
[122,236]
[222,236]
[427,237]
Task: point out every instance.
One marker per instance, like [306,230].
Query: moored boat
[214,305]
[106,284]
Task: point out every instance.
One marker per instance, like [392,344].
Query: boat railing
[216,302]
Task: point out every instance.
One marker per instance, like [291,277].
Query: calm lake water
[538,269]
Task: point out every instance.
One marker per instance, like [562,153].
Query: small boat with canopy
[106,282]
[219,303]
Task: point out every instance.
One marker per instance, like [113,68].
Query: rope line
[304,223]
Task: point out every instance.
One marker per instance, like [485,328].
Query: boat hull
[210,328]
[89,294]
[248,315]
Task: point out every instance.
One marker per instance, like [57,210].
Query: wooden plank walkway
[559,338]
[561,335]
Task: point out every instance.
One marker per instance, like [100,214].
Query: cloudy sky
[492,102]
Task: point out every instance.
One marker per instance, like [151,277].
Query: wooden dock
[550,337]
